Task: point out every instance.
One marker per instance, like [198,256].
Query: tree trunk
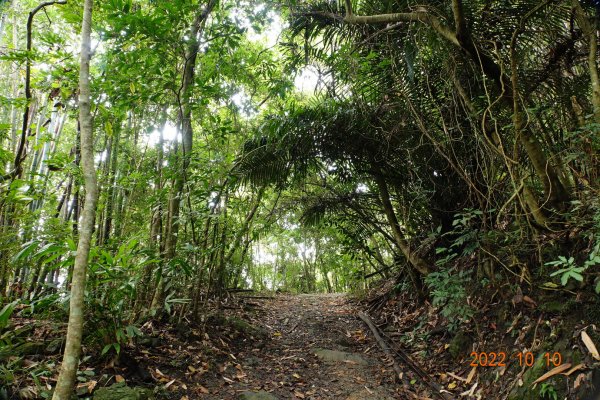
[112,173]
[66,378]
[187,134]
[417,262]
[589,29]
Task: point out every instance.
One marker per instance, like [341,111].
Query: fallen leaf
[119,379]
[471,391]
[169,383]
[91,386]
[590,345]
[578,381]
[575,368]
[460,378]
[517,298]
[202,389]
[452,385]
[529,301]
[240,375]
[553,372]
[298,394]
[471,375]
[514,323]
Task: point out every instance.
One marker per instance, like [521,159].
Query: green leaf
[108,128]
[26,250]
[577,276]
[6,312]
[106,349]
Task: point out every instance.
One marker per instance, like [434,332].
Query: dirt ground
[317,348]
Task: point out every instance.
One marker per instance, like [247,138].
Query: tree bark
[417,262]
[589,30]
[70,363]
[112,173]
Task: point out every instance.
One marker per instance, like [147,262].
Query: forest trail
[317,348]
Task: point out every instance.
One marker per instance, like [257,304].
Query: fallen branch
[437,389]
[384,346]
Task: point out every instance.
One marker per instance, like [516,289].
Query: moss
[459,345]
[120,391]
[55,346]
[262,395]
[525,392]
[557,307]
[246,328]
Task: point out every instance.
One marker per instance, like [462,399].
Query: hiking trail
[317,348]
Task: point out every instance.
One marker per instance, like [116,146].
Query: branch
[390,352]
[20,151]
[459,18]
[419,16]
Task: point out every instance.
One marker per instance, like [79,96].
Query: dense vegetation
[450,148]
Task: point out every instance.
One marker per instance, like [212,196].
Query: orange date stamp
[501,359]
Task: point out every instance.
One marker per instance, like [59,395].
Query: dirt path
[317,348]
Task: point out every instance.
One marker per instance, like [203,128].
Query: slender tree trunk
[156,226]
[66,378]
[245,226]
[417,262]
[3,14]
[187,134]
[112,173]
[196,292]
[15,92]
[221,268]
[589,29]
